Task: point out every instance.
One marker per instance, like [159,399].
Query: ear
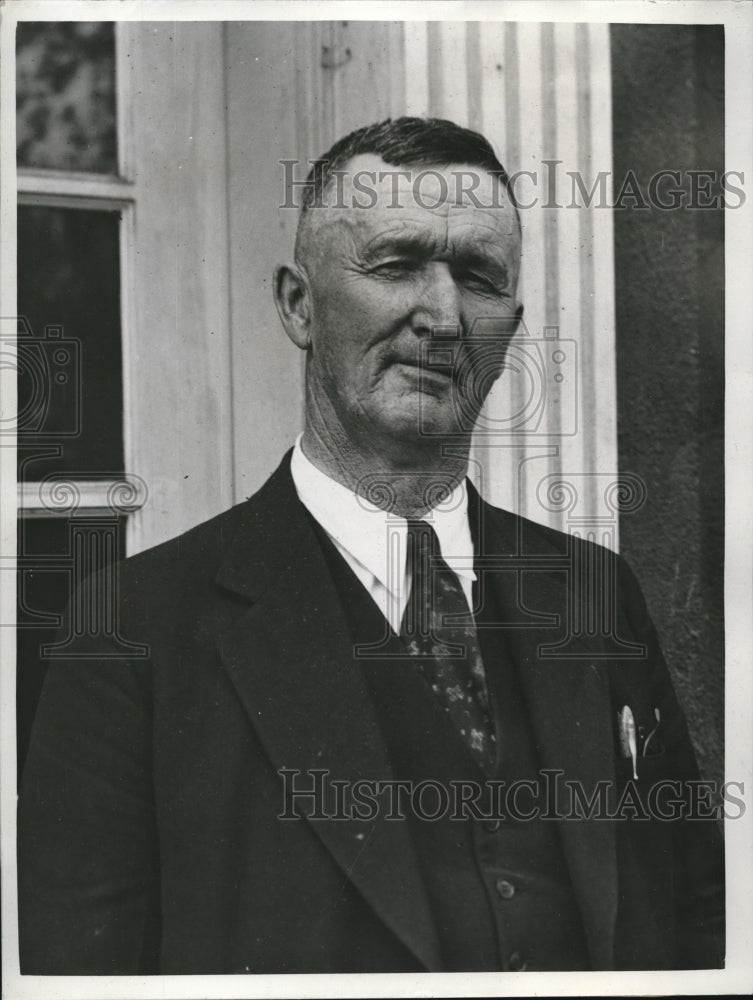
[293,300]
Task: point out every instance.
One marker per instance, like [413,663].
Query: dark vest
[500,891]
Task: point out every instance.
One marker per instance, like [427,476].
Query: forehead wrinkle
[311,225]
[432,233]
[362,233]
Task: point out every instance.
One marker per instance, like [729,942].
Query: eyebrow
[410,245]
[418,247]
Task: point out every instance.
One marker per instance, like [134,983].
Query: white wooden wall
[540,92]
[218,396]
[175,277]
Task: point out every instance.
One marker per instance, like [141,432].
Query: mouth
[426,374]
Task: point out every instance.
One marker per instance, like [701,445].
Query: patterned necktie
[438,629]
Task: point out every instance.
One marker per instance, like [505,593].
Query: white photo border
[737,977]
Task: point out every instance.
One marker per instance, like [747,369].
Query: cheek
[489,328]
[340,339]
[354,317]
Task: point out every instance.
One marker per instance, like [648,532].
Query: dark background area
[668,96]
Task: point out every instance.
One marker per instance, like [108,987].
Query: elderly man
[356,742]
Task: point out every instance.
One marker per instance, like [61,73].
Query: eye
[394,268]
[480,281]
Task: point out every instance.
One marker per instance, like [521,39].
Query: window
[74,203]
[74,206]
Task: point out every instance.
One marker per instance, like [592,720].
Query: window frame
[86,191]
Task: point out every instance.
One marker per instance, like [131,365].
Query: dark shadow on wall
[668,104]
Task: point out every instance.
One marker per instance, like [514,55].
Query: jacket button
[492,825]
[505,889]
[517,962]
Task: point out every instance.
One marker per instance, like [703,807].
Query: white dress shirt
[373,542]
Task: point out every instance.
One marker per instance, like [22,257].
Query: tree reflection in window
[65,96]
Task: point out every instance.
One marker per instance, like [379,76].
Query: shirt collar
[369,533]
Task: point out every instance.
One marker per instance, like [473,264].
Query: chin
[421,422]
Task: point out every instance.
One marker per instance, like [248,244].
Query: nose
[437,300]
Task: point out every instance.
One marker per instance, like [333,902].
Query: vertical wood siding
[540,92]
[176,342]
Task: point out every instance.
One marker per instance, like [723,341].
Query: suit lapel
[569,709]
[290,658]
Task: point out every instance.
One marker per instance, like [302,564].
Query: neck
[407,478]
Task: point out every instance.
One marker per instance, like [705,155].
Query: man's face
[384,277]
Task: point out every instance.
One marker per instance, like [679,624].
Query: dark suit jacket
[148,831]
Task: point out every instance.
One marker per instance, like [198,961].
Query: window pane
[70,396]
[65,96]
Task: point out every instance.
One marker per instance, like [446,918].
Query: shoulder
[524,538]
[183,572]
[196,552]
[525,535]
[200,551]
